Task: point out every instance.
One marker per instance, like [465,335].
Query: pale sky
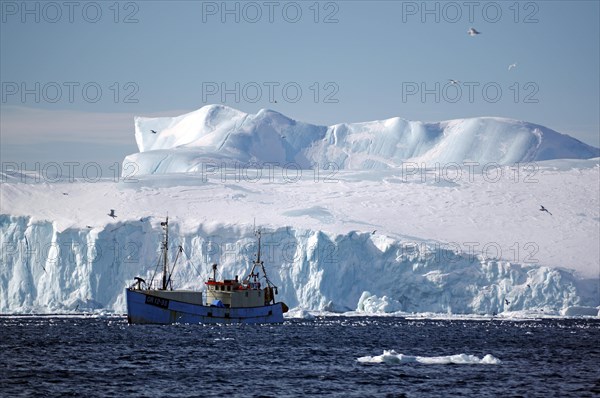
[75,74]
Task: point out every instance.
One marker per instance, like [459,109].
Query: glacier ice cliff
[47,270]
[60,251]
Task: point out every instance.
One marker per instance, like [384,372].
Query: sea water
[332,356]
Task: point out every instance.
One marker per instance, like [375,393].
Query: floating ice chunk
[298,313]
[392,357]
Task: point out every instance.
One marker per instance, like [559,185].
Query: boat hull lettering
[157,301]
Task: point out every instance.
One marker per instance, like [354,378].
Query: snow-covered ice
[365,236]
[217,134]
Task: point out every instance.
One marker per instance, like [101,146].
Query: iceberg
[217,134]
[367,237]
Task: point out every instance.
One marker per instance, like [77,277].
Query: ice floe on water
[392,357]
[298,313]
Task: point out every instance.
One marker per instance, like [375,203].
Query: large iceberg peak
[217,133]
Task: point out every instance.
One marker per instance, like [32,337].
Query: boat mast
[270,286]
[165,250]
[257,260]
[258,254]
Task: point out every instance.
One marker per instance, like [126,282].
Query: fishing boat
[227,300]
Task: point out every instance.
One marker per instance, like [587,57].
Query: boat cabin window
[228,288]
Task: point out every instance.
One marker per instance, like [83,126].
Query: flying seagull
[373,233]
[452,81]
[112,213]
[506,301]
[512,66]
[544,209]
[473,32]
[153,132]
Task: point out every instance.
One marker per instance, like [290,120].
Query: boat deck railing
[140,284]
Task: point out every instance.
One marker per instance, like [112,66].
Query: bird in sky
[153,132]
[512,66]
[112,213]
[506,301]
[452,81]
[544,209]
[473,32]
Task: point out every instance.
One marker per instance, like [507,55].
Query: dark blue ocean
[90,356]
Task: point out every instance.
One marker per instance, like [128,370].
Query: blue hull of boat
[147,309]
